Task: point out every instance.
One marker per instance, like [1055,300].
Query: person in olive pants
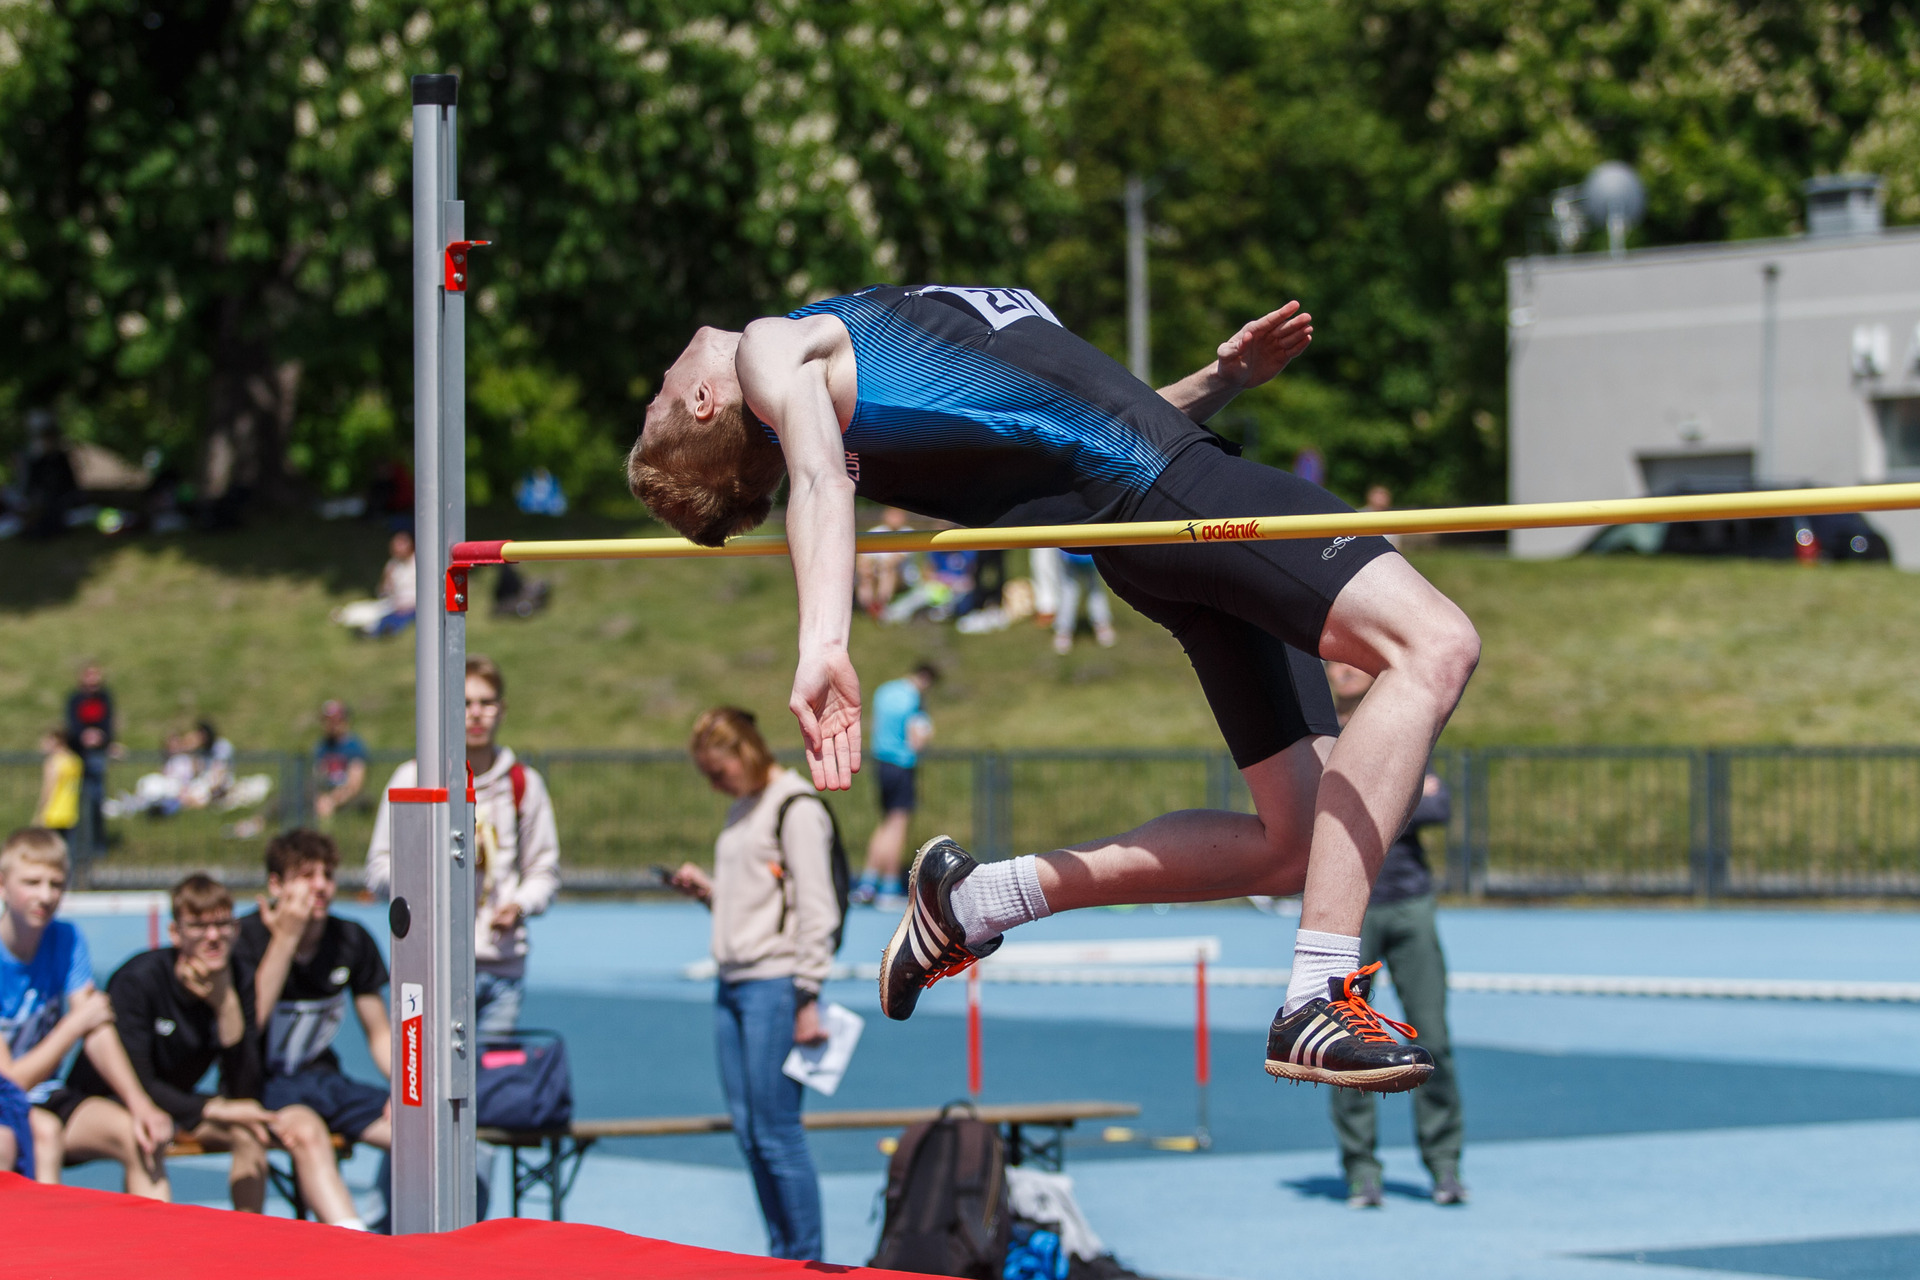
[1401,930]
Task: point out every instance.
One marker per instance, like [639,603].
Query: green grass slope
[234,627]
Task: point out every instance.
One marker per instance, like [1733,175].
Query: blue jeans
[753,1033]
[496,1003]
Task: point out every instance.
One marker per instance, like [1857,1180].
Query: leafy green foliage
[222,192]
[205,219]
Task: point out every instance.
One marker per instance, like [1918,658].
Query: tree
[204,239]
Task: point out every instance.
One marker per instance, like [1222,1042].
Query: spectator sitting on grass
[945,589]
[391,612]
[339,762]
[48,1004]
[181,1009]
[196,774]
[305,966]
[877,573]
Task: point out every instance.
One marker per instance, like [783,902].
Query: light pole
[1766,464]
[1139,358]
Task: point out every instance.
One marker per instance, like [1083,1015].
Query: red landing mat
[64,1233]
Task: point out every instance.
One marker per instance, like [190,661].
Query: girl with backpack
[775,920]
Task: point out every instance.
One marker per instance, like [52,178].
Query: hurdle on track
[431,915]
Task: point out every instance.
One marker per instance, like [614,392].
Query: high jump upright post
[432,911]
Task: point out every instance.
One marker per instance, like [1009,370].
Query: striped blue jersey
[977,406]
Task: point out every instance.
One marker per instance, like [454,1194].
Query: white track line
[1538,984]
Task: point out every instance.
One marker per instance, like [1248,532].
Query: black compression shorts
[1249,614]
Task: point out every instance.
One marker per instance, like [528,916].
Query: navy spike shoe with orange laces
[929,943]
[1344,1041]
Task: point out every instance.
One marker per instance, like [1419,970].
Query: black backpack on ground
[842,879]
[947,1211]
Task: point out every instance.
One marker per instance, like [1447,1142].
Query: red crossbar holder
[457,589]
[468,554]
[417,795]
[456,261]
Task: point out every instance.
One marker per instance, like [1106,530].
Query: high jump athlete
[975,405]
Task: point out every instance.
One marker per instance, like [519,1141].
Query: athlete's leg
[1202,855]
[1420,649]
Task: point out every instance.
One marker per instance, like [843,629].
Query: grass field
[234,627]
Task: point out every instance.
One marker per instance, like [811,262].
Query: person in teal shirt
[901,729]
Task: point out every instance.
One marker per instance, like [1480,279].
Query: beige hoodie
[774,911]
[519,857]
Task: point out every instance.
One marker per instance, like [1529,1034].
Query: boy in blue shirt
[48,1004]
[900,730]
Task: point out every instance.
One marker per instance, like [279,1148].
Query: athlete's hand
[1265,346]
[826,702]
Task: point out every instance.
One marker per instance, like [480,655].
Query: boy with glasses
[181,1009]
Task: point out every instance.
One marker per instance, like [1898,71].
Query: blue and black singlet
[976,406]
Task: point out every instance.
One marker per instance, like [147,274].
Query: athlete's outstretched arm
[783,374]
[1250,357]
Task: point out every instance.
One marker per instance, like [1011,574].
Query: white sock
[1317,957]
[999,896]
[352,1224]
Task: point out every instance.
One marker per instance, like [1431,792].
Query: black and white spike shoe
[1344,1041]
[929,944]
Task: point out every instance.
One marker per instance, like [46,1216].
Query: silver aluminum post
[432,914]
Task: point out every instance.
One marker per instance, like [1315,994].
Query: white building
[1772,361]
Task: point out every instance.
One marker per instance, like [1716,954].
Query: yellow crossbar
[1532,515]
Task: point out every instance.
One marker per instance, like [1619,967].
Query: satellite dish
[1612,194]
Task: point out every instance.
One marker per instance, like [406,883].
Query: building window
[1666,474]
[1900,431]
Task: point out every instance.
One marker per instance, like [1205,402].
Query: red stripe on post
[973,1031]
[468,554]
[417,795]
[1202,1066]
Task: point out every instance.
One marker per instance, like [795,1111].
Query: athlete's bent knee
[1447,651]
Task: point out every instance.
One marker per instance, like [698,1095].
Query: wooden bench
[282,1180]
[552,1158]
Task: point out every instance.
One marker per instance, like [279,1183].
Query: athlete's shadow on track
[1336,1189]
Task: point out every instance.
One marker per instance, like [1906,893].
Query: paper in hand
[820,1066]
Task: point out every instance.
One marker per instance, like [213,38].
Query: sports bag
[947,1209]
[523,1082]
[837,860]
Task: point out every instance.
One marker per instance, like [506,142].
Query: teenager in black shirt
[180,1010]
[305,967]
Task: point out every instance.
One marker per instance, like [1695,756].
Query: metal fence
[1532,822]
[1740,821]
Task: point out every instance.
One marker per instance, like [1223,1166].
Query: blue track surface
[1607,1137]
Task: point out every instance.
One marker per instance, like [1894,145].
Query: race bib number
[998,307]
